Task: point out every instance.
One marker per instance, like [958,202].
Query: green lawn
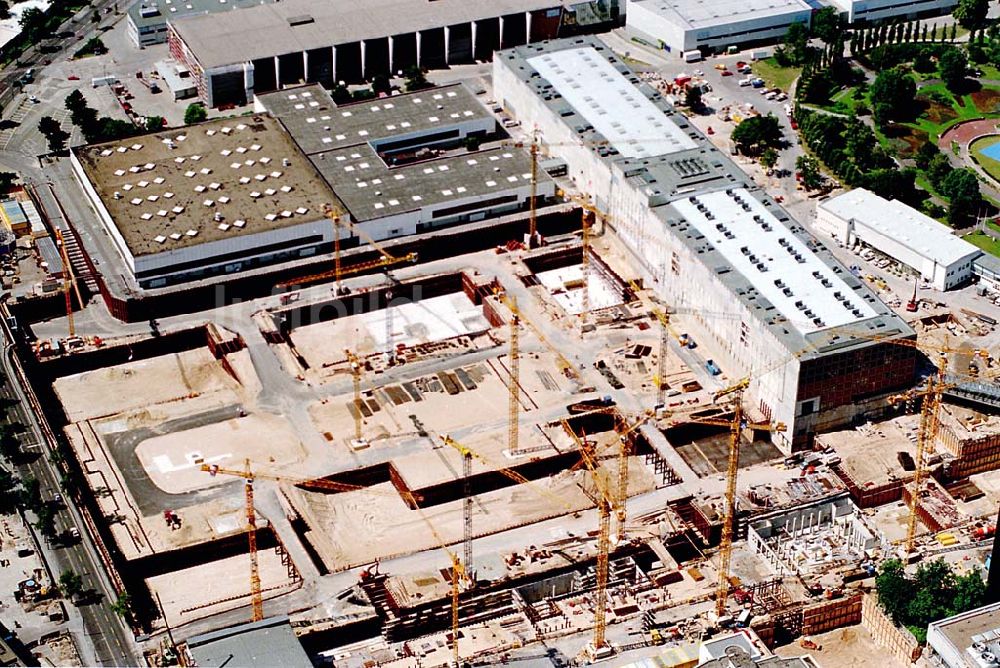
[774,75]
[984,241]
[989,72]
[990,165]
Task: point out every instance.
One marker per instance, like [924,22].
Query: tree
[796,45]
[894,89]
[970,592]
[93,47]
[937,169]
[961,187]
[70,583]
[827,25]
[155,123]
[757,133]
[75,101]
[954,31]
[381,84]
[970,13]
[46,523]
[32,19]
[768,159]
[952,67]
[692,98]
[925,153]
[122,607]
[30,494]
[4,10]
[892,183]
[53,133]
[7,180]
[415,79]
[893,589]
[195,113]
[10,444]
[809,174]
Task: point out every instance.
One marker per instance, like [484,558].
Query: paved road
[112,642]
[34,58]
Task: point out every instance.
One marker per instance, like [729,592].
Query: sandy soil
[143,383]
[358,527]
[433,319]
[437,409]
[189,594]
[850,647]
[173,461]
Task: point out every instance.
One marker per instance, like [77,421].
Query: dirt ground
[409,324]
[355,528]
[144,383]
[541,383]
[850,647]
[193,593]
[173,461]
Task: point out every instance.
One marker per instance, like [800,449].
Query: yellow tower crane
[467,455]
[385,260]
[466,504]
[69,283]
[599,647]
[356,378]
[514,389]
[624,450]
[930,409]
[249,476]
[736,425]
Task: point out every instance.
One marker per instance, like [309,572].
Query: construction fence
[898,642]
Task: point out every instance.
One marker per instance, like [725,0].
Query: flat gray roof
[318,124]
[694,14]
[265,31]
[338,140]
[156,12]
[269,642]
[713,181]
[902,223]
[630,122]
[372,190]
[959,629]
[170,184]
[581,99]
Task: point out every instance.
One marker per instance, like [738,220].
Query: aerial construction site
[589,422]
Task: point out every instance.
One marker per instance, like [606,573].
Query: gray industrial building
[776,304]
[146,20]
[269,642]
[397,163]
[300,41]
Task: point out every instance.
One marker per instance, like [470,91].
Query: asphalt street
[112,642]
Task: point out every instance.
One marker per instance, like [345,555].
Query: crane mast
[514,399]
[929,423]
[356,378]
[585,266]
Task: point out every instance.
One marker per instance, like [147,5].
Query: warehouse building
[860,12]
[297,41]
[398,164]
[714,25]
[146,20]
[214,198]
[929,248]
[768,299]
[967,640]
